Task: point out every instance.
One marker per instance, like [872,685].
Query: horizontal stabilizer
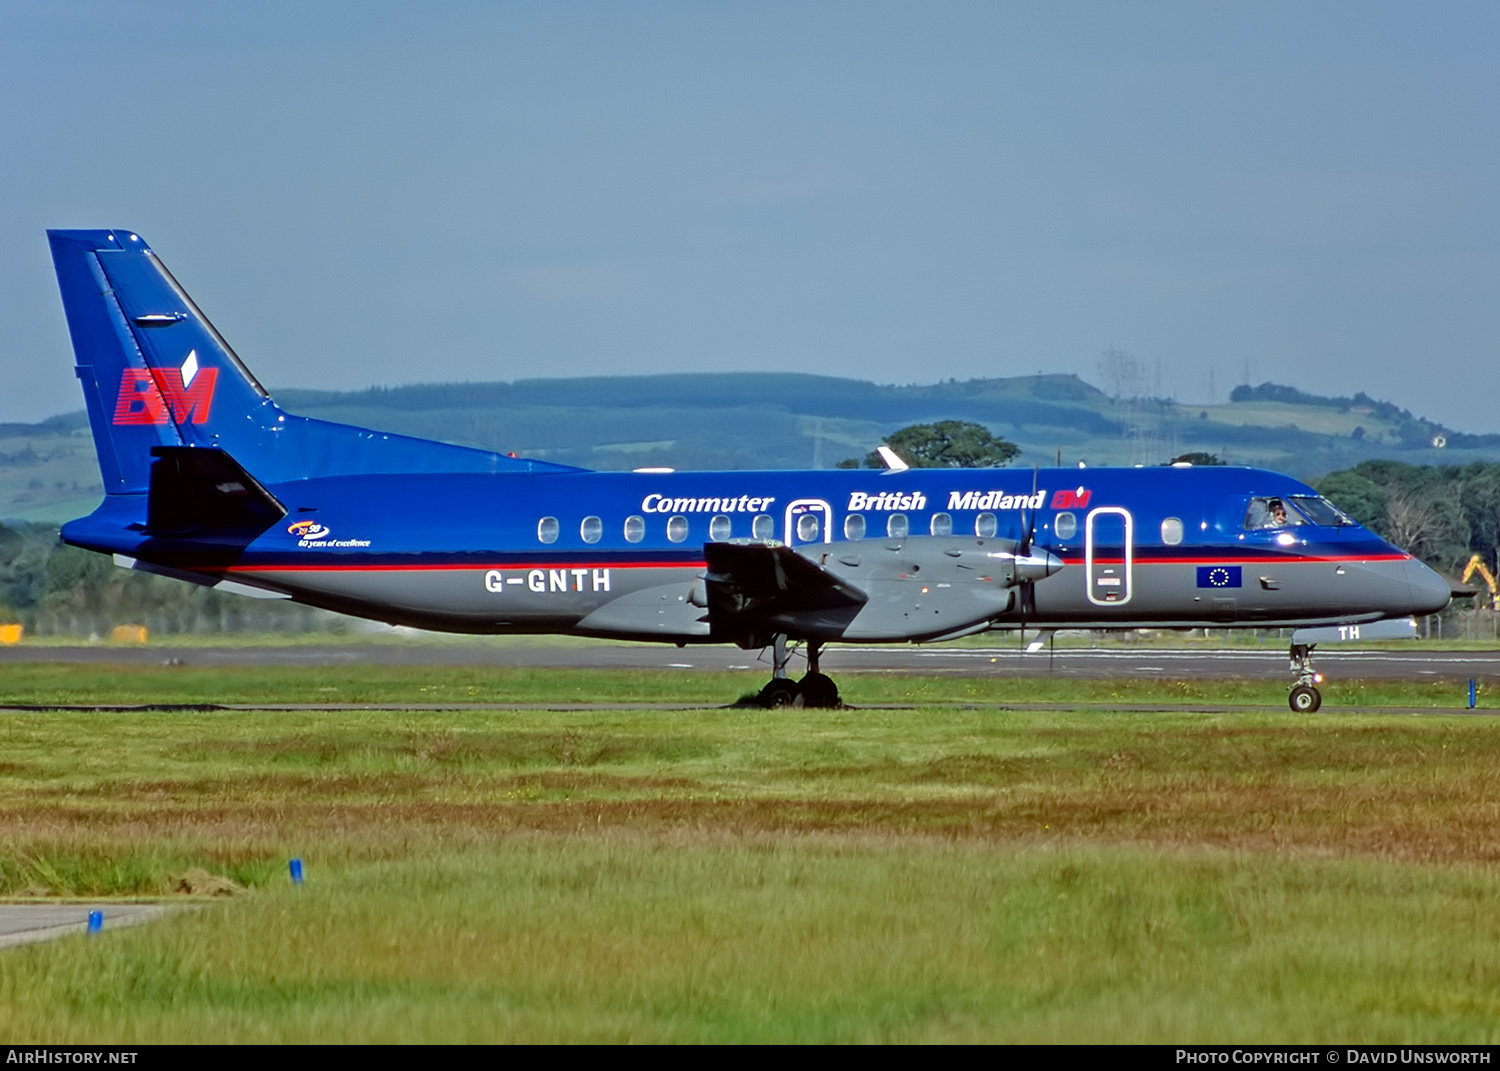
[202,489]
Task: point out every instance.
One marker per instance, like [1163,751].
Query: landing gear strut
[782,691]
[1305,697]
[813,690]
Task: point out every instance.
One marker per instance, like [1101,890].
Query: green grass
[621,939]
[40,683]
[932,873]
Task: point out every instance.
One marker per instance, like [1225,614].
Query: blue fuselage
[619,554]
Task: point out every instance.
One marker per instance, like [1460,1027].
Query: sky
[369,193]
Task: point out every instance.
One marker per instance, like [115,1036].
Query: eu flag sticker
[1218,576]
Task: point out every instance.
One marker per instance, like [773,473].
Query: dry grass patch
[1378,787]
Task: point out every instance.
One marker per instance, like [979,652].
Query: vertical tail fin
[154,370]
[155,373]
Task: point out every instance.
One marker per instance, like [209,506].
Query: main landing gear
[1305,697]
[813,690]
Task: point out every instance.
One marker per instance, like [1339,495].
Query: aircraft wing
[750,584]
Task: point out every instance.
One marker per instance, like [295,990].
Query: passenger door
[1109,555]
[809,520]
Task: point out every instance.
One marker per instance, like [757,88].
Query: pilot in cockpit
[1270,513]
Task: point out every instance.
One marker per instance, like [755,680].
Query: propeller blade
[1028,587]
[1030,515]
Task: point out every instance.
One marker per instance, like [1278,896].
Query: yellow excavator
[1476,565]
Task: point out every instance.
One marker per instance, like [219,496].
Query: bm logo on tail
[156,395]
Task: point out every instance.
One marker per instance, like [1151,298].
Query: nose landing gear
[813,690]
[1305,697]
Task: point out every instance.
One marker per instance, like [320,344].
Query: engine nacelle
[921,587]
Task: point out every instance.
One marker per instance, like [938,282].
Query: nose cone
[1429,592]
[1037,565]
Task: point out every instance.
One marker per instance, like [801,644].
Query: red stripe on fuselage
[449,567]
[1228,559]
[415,567]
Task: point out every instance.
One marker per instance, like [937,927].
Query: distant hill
[786,420]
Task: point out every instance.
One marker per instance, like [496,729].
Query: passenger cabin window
[1272,513]
[897,526]
[677,528]
[635,529]
[718,528]
[854,526]
[547,529]
[591,529]
[763,527]
[808,527]
[985,526]
[1171,531]
[942,524]
[1065,525]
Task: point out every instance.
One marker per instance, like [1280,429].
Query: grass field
[40,683]
[949,871]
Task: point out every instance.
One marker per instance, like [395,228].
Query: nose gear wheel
[1305,697]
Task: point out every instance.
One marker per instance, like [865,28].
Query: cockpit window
[1272,513]
[1321,511]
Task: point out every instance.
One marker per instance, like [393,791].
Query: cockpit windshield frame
[1321,512]
[1275,512]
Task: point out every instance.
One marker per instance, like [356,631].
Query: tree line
[52,589]
[1442,514]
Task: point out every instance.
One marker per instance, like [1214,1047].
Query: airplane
[208,480]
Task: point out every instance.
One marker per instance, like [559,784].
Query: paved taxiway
[1267,662]
[23,924]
